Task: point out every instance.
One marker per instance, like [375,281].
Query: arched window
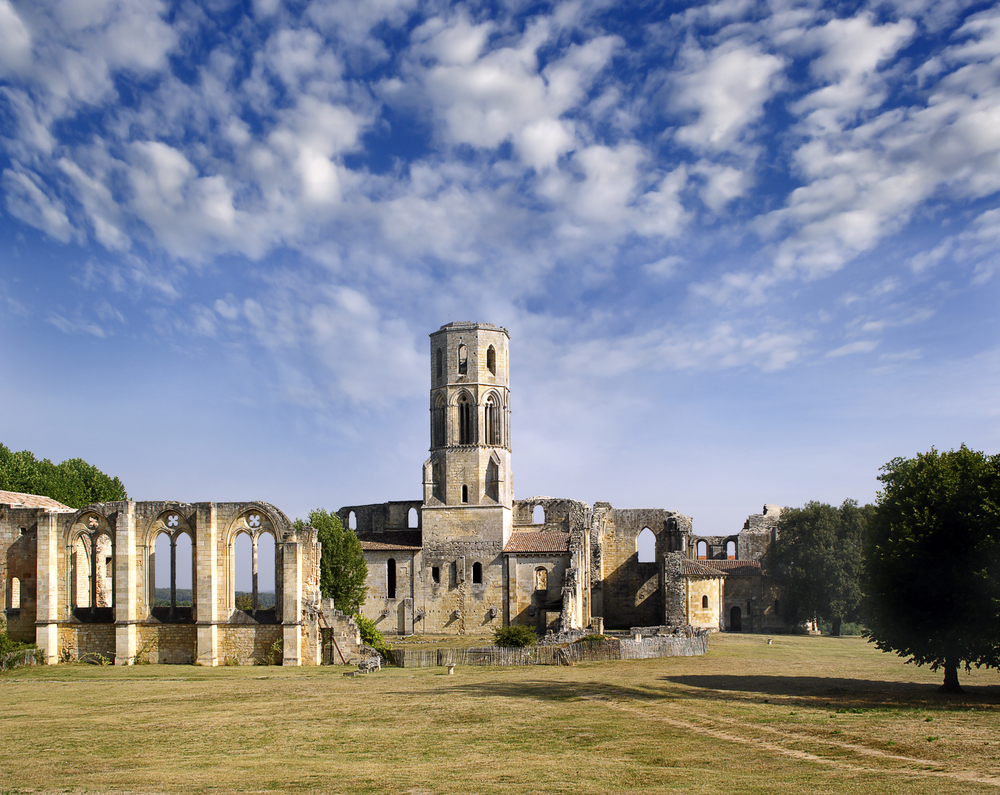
[438,422]
[80,563]
[352,521]
[466,420]
[104,567]
[477,573]
[463,360]
[492,420]
[538,515]
[704,602]
[702,550]
[730,550]
[493,480]
[465,493]
[436,574]
[646,546]
[390,578]
[491,360]
[440,363]
[411,518]
[15,593]
[541,579]
[242,573]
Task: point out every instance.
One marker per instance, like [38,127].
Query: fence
[608,649]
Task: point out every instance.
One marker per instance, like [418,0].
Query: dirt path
[782,740]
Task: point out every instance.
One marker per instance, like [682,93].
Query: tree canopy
[74,482]
[818,555]
[933,561]
[342,567]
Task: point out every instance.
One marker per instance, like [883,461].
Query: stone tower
[467,480]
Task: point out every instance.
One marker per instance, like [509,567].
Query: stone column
[291,603]
[47,602]
[126,586]
[206,550]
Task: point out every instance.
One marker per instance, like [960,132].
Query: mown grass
[803,715]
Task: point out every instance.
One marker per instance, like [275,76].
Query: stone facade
[81,582]
[468,557]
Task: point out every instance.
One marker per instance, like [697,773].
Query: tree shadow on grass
[813,691]
[561,691]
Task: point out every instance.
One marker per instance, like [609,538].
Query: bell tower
[467,480]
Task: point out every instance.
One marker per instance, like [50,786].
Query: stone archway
[736,619]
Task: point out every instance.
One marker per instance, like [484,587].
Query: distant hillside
[264,600]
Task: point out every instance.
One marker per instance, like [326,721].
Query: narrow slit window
[352,521]
[704,601]
[390,578]
[463,360]
[730,550]
[465,493]
[15,593]
[436,574]
[491,360]
[411,519]
[477,573]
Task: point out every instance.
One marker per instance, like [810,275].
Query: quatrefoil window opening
[92,521]
[173,520]
[253,520]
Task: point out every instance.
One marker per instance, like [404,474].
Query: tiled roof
[528,541]
[698,570]
[404,540]
[737,568]
[30,500]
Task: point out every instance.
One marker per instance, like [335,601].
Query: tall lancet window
[466,420]
[463,360]
[437,423]
[492,419]
[491,360]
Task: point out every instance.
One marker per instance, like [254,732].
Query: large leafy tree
[74,482]
[342,567]
[933,561]
[817,554]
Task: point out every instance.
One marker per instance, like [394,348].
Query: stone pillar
[47,602]
[126,586]
[291,603]
[210,581]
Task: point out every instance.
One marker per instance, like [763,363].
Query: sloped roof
[737,568]
[404,540]
[698,570]
[30,500]
[531,541]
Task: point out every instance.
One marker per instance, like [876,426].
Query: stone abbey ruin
[464,559]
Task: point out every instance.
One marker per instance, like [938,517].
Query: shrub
[370,635]
[14,654]
[592,640]
[515,636]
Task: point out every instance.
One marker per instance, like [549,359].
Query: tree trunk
[950,677]
[835,626]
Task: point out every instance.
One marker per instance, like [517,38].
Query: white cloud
[861,346]
[26,200]
[16,51]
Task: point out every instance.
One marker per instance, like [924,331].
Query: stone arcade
[469,557]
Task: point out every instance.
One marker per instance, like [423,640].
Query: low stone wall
[167,643]
[77,641]
[250,645]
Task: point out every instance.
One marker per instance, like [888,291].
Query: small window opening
[730,550]
[390,578]
[440,363]
[541,579]
[538,515]
[465,493]
[352,521]
[646,546]
[436,574]
[776,606]
[15,593]
[704,601]
[702,550]
[477,573]
[411,519]
[463,360]
[491,360]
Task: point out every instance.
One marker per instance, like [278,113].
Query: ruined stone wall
[250,645]
[18,539]
[389,613]
[530,605]
[697,590]
[456,603]
[562,516]
[381,517]
[78,640]
[175,644]
[631,592]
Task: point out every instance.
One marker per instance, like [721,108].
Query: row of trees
[74,482]
[921,567]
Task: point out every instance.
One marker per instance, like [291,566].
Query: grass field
[804,715]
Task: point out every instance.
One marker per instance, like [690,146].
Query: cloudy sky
[747,252]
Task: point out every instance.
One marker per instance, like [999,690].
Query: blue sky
[747,252]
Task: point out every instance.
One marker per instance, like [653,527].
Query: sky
[747,252]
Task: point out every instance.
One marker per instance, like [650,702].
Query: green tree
[818,556]
[73,482]
[342,567]
[933,561]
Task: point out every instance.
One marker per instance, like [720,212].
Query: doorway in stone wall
[736,620]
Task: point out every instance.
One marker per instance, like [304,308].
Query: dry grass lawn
[804,715]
